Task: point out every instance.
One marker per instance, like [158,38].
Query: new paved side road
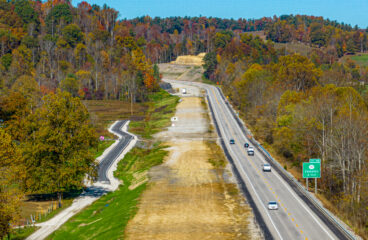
[115,152]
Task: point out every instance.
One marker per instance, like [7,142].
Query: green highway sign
[311,170]
[315,160]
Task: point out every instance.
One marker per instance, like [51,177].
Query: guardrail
[266,232]
[309,199]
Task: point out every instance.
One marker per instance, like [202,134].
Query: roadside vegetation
[301,108]
[107,217]
[53,56]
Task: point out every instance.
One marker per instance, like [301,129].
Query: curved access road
[295,218]
[114,153]
[106,181]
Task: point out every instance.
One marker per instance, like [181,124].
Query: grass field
[107,217]
[360,59]
[105,112]
[291,48]
[160,109]
[21,233]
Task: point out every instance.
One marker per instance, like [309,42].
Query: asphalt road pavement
[115,152]
[294,219]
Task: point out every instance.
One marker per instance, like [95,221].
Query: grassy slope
[108,216]
[361,59]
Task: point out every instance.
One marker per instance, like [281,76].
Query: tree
[72,35]
[296,72]
[24,10]
[223,38]
[317,35]
[210,63]
[14,110]
[252,86]
[70,84]
[57,152]
[10,174]
[60,13]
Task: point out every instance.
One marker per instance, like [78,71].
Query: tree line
[53,55]
[302,109]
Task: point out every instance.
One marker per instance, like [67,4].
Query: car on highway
[266,167]
[250,151]
[246,145]
[184,91]
[232,141]
[272,205]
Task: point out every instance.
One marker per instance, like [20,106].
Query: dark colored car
[232,141]
[246,145]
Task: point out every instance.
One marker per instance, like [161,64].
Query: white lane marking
[303,205]
[250,182]
[280,179]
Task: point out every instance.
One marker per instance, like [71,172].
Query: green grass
[161,107]
[361,60]
[21,233]
[102,146]
[107,217]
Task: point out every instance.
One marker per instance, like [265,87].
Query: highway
[295,218]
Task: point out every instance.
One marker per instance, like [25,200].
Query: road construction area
[193,194]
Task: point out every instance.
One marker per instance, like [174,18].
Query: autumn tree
[209,65]
[296,72]
[57,152]
[59,16]
[72,34]
[11,173]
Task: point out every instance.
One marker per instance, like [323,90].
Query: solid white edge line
[242,170]
[280,179]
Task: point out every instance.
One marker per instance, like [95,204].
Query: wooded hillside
[53,55]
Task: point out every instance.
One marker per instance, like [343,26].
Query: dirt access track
[187,197]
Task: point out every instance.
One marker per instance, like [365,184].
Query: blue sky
[348,11]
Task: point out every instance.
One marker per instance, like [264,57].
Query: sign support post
[307,184]
[315,187]
[312,169]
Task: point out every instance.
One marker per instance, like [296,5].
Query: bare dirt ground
[181,72]
[187,197]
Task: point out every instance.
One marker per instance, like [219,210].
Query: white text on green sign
[311,170]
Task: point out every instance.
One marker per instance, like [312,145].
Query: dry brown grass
[290,48]
[187,196]
[104,112]
[190,60]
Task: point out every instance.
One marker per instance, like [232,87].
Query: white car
[250,151]
[272,205]
[266,167]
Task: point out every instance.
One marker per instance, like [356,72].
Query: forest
[53,55]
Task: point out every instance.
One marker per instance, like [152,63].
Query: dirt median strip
[190,197]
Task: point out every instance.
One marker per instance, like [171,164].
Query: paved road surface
[92,193]
[294,219]
[115,152]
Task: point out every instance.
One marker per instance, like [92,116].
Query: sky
[353,12]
